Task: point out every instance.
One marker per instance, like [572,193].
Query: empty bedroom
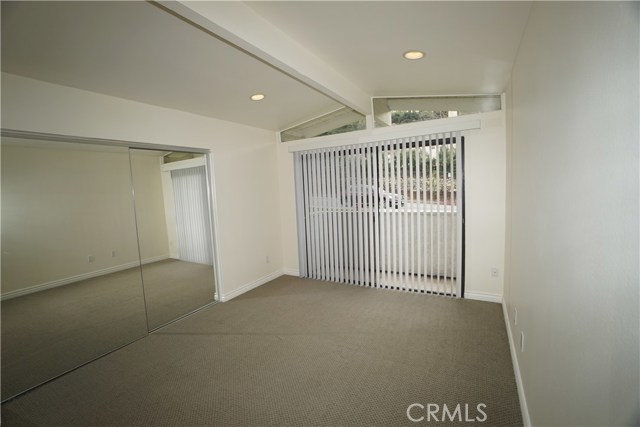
[320,213]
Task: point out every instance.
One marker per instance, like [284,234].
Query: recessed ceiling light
[257,97]
[413,54]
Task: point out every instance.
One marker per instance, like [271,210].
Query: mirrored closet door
[71,280]
[100,245]
[174,232]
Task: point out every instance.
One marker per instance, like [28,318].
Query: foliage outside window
[395,111]
[400,117]
[425,173]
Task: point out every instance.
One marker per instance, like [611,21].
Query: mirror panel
[174,232]
[71,279]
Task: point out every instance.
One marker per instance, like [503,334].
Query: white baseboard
[291,272]
[524,409]
[77,278]
[252,285]
[483,296]
[155,259]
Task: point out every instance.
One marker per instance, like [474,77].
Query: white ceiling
[137,51]
[347,50]
[470,46]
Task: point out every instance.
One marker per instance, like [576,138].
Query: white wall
[485,175]
[244,160]
[574,196]
[485,205]
[62,205]
[66,202]
[286,183]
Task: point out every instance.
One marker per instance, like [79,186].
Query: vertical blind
[192,214]
[385,214]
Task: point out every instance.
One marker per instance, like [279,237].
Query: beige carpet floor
[173,288]
[294,352]
[49,332]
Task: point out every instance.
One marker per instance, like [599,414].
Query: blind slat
[431,233]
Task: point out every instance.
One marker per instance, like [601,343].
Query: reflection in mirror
[174,232]
[71,282]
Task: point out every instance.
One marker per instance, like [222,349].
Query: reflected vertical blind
[192,214]
[386,214]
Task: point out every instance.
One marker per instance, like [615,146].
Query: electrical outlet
[113,254]
[515,316]
[91,258]
[494,272]
[522,341]
[267,259]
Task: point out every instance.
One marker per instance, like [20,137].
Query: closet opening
[102,242]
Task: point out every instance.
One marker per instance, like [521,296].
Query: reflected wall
[93,252]
[71,280]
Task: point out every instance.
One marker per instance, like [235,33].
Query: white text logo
[417,412]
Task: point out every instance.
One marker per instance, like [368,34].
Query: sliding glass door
[384,214]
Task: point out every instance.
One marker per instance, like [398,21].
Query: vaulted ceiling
[308,58]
